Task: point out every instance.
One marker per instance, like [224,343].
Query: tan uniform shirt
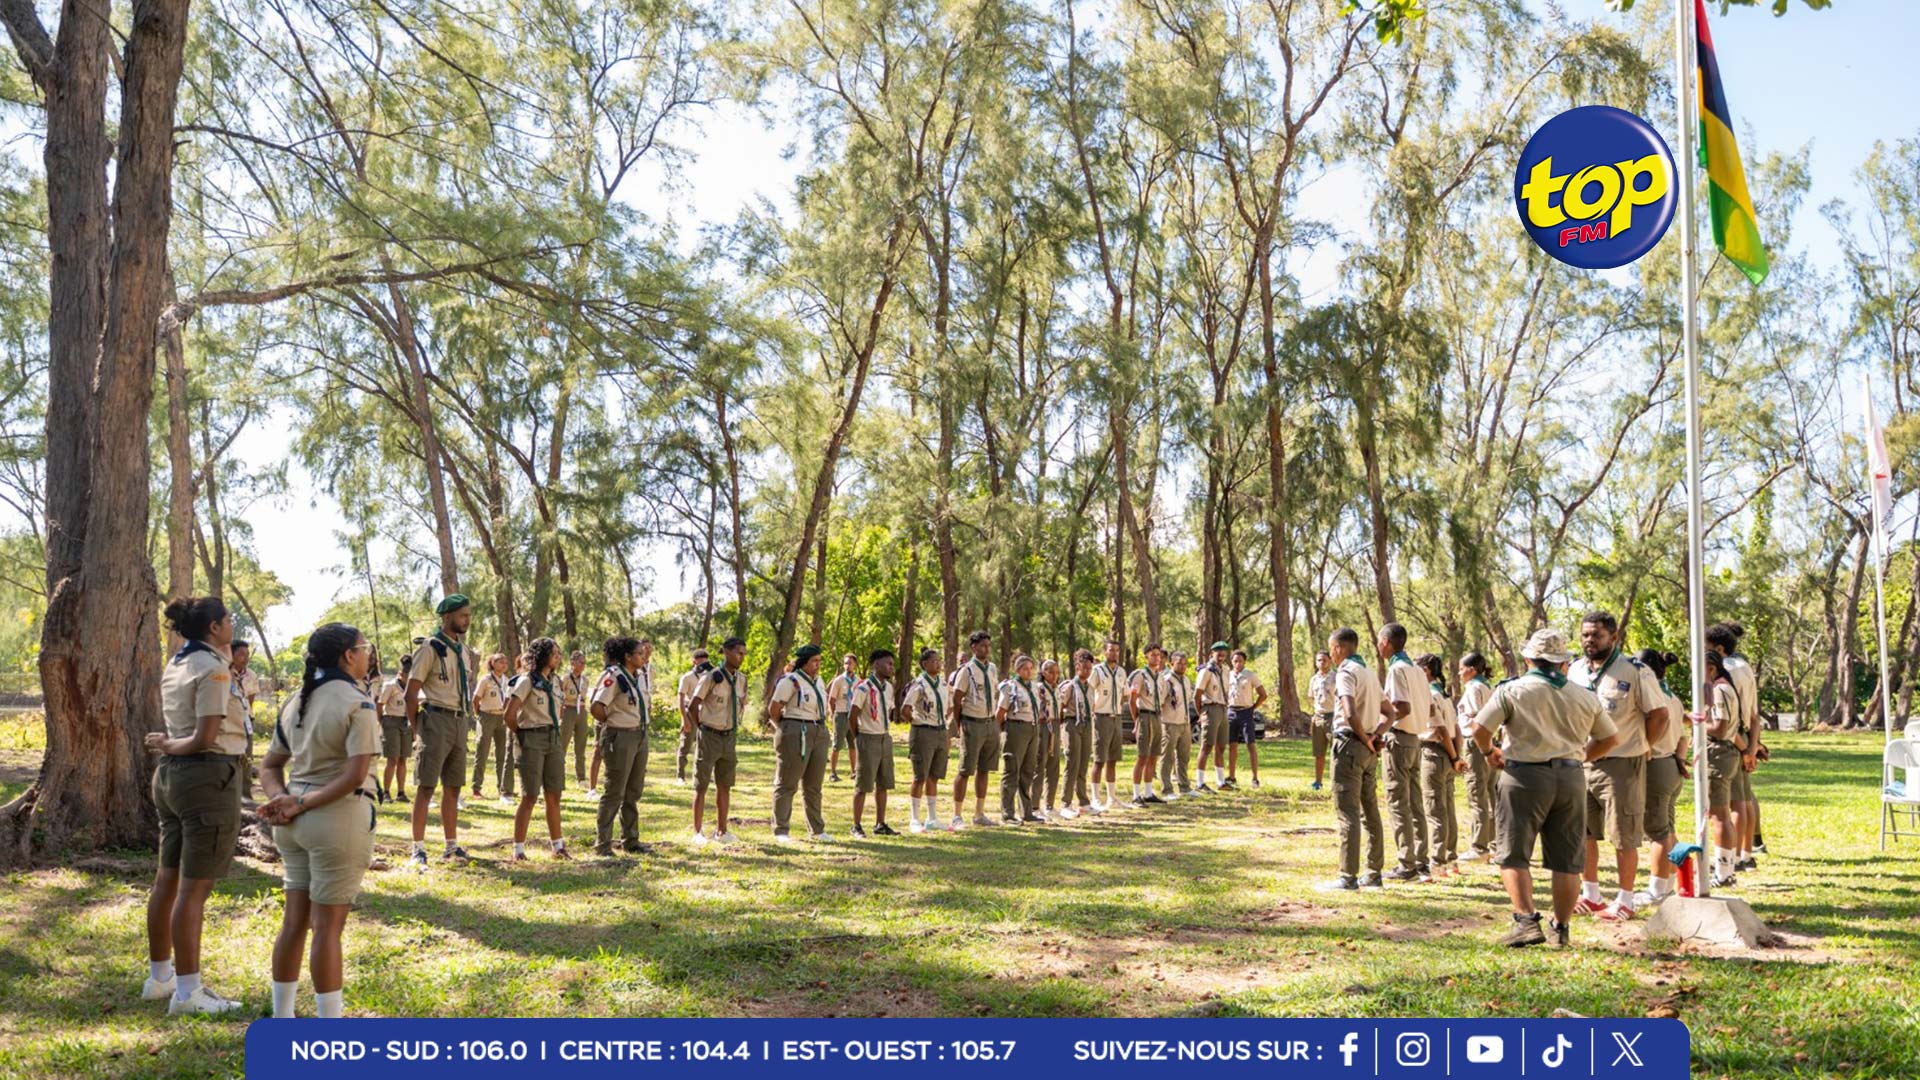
[722,699]
[800,697]
[840,692]
[573,691]
[198,682]
[928,700]
[1354,679]
[1407,681]
[621,695]
[539,703]
[870,706]
[1727,708]
[393,698]
[492,693]
[1748,686]
[1678,726]
[1444,720]
[1472,697]
[1243,689]
[1076,701]
[1210,686]
[688,684]
[1109,686]
[1175,693]
[1545,719]
[1629,691]
[1152,689]
[977,678]
[1320,691]
[248,687]
[442,684]
[339,724]
[1024,701]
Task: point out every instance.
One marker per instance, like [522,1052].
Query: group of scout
[1576,751]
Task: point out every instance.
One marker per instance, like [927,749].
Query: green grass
[1201,908]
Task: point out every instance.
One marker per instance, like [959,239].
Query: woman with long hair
[1726,748]
[533,721]
[1441,763]
[322,810]
[196,789]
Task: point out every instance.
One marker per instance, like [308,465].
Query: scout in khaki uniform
[1475,689]
[1076,731]
[869,709]
[439,693]
[1617,782]
[490,705]
[714,709]
[575,723]
[247,689]
[839,695]
[1724,638]
[798,708]
[1359,720]
[1320,696]
[390,701]
[1046,779]
[1440,763]
[689,736]
[643,680]
[533,719]
[196,789]
[1210,698]
[1176,729]
[1410,704]
[1244,697]
[925,706]
[1020,708]
[620,710]
[1666,772]
[973,688]
[1552,726]
[1145,696]
[322,810]
[1111,700]
[1727,755]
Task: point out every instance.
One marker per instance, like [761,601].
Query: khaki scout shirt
[492,693]
[1628,690]
[1210,685]
[1152,689]
[198,682]
[840,692]
[539,703]
[1320,691]
[1407,681]
[1444,719]
[1243,689]
[1108,683]
[1677,726]
[689,683]
[393,698]
[446,684]
[1546,719]
[1472,697]
[573,691]
[1076,701]
[339,724]
[977,678]
[800,697]
[1728,710]
[617,691]
[721,696]
[1354,679]
[1024,701]
[1174,695]
[870,705]
[1748,686]
[928,700]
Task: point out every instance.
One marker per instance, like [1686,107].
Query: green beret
[805,653]
[1221,646]
[452,603]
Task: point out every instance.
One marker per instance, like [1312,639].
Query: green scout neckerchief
[733,697]
[1153,680]
[1079,699]
[819,695]
[540,683]
[1553,678]
[642,698]
[1354,659]
[1113,684]
[1481,679]
[1398,658]
[986,676]
[933,685]
[1437,687]
[460,660]
[1033,703]
[1595,674]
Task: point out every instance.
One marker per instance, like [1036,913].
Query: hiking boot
[1562,933]
[1525,931]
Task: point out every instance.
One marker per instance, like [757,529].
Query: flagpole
[1879,555]
[1683,40]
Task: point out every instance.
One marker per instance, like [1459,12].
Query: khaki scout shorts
[979,747]
[1108,745]
[394,741]
[1663,791]
[1147,736]
[1617,800]
[199,803]
[842,730]
[1546,802]
[1742,791]
[715,757]
[440,750]
[1321,728]
[927,749]
[542,755]
[875,764]
[325,852]
[1723,764]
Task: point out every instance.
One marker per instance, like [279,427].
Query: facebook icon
[1349,1046]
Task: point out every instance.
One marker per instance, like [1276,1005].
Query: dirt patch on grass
[820,999]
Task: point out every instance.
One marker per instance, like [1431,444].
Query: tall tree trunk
[706,565]
[733,512]
[820,583]
[1280,558]
[409,343]
[909,653]
[943,544]
[179,467]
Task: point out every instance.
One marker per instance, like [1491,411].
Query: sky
[1835,80]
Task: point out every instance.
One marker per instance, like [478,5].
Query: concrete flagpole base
[1723,922]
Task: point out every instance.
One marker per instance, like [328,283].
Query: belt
[1011,720]
[1723,742]
[1556,763]
[801,720]
[206,755]
[718,730]
[431,707]
[976,719]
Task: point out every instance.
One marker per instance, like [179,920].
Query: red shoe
[1588,907]
[1616,912]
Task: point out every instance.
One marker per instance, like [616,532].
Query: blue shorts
[1240,726]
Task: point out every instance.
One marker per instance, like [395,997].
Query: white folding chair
[1899,764]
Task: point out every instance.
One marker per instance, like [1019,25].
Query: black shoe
[1009,819]
[884,829]
[1401,873]
[635,847]
[858,833]
[1759,846]
[1562,934]
[604,851]
[834,778]
[1372,881]
[1526,931]
[1153,800]
[458,852]
[1343,883]
[1228,784]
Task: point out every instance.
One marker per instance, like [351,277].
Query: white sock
[419,847]
[1216,776]
[283,995]
[1624,898]
[160,970]
[184,985]
[519,849]
[1149,786]
[916,808]
[1590,890]
[330,1005]
[559,845]
[1659,886]
[450,847]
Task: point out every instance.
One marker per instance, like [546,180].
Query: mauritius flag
[1735,231]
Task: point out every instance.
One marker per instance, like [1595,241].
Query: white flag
[1878,469]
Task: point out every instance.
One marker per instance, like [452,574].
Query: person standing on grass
[490,704]
[196,789]
[689,733]
[315,780]
[391,704]
[840,699]
[1617,782]
[643,684]
[925,707]
[799,709]
[974,685]
[714,710]
[533,723]
[1052,741]
[1666,772]
[1018,714]
[575,722]
[1145,693]
[1440,762]
[1244,696]
[869,711]
[438,697]
[1553,726]
[1320,695]
[1107,682]
[1076,731]
[1176,729]
[1724,638]
[1410,704]
[1727,751]
[1358,718]
[619,711]
[1210,697]
[1475,688]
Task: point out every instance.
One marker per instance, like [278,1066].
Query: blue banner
[1004,1049]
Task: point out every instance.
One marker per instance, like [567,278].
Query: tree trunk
[733,512]
[179,468]
[909,653]
[409,344]
[1281,546]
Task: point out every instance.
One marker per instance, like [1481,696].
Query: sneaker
[884,829]
[1201,788]
[1588,907]
[916,826]
[783,838]
[1316,784]
[152,990]
[1342,883]
[1228,784]
[458,852]
[1748,863]
[1475,854]
[1562,933]
[1424,877]
[506,796]
[982,820]
[202,1001]
[419,861]
[635,847]
[1617,912]
[725,839]
[821,837]
[1401,873]
[603,851]
[956,824]
[1759,846]
[857,833]
[562,854]
[1372,881]
[1719,882]
[1525,931]
[519,856]
[1068,813]
[1039,817]
[833,778]
[1172,796]
[1009,820]
[592,793]
[697,839]
[1156,800]
[1097,808]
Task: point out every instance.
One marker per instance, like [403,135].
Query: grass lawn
[1201,908]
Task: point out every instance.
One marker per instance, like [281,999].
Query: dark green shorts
[542,760]
[1548,803]
[199,802]
[394,739]
[875,763]
[440,751]
[979,747]
[715,757]
[927,749]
